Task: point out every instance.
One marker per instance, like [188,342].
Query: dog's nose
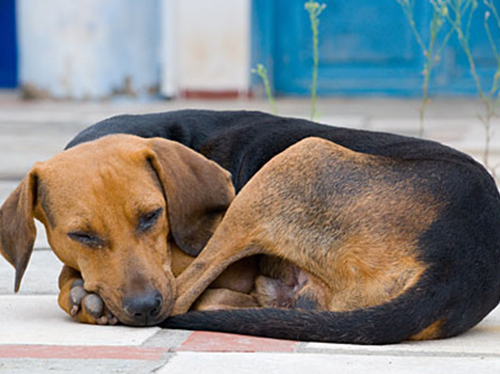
[144,307]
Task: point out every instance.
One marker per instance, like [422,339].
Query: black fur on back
[243,141]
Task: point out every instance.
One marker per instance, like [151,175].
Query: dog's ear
[198,192]
[17,225]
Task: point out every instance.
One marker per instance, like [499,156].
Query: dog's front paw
[81,305]
[88,307]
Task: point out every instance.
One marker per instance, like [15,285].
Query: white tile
[6,188]
[40,276]
[242,363]
[39,320]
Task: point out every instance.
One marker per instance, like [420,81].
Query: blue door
[366,47]
[8,44]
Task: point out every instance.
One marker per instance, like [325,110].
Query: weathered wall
[89,48]
[213,44]
[97,48]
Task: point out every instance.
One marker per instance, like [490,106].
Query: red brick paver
[82,352]
[201,341]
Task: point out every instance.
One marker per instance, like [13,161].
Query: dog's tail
[417,311]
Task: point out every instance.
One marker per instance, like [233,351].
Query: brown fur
[355,239]
[239,277]
[103,189]
[224,298]
[431,332]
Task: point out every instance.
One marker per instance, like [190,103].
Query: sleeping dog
[361,237]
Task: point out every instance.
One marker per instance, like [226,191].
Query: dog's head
[110,208]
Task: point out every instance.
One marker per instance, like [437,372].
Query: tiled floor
[36,336]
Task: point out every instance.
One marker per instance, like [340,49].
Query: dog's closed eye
[87,239]
[148,220]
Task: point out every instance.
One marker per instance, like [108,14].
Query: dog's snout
[143,309]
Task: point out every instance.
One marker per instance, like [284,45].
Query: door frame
[11,78]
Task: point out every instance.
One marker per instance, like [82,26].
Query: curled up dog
[334,235]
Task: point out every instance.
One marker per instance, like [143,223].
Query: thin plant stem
[407,6]
[261,71]
[424,102]
[490,98]
[432,51]
[493,9]
[314,9]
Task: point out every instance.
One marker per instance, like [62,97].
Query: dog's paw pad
[74,310]
[107,319]
[102,320]
[76,295]
[88,307]
[94,305]
[78,282]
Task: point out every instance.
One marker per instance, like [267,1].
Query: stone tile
[39,320]
[222,363]
[78,366]
[167,338]
[89,352]
[17,157]
[40,277]
[202,341]
[6,188]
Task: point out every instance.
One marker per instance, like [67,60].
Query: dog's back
[413,246]
[243,141]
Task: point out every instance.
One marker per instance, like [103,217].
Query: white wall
[89,48]
[213,44]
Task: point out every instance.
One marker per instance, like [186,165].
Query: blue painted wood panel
[454,72]
[366,47]
[8,44]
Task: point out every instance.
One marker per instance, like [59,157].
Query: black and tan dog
[371,237]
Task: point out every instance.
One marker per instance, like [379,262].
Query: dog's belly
[259,281]
[271,282]
[281,284]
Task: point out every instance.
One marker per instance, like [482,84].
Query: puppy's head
[111,208]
